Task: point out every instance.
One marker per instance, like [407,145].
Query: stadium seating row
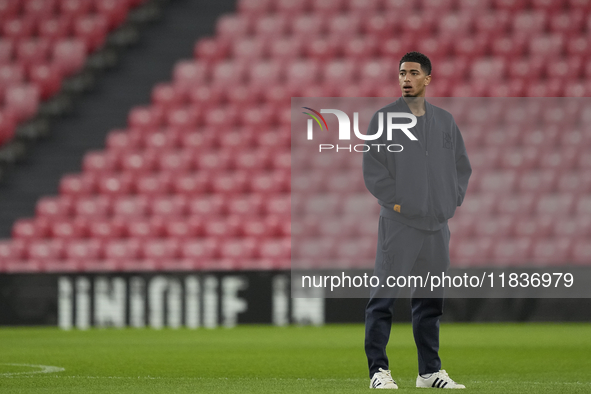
[258,8]
[140,205]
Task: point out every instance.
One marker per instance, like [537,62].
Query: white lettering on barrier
[232,305]
[109,302]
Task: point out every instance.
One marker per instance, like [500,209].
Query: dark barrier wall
[223,299]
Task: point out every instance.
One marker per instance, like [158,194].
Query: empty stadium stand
[199,179]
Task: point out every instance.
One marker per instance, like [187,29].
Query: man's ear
[427,80]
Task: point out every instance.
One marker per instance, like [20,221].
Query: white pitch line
[42,369]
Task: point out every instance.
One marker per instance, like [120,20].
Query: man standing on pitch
[418,189]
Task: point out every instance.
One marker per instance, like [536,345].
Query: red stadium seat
[186,117]
[551,251]
[579,5]
[111,184]
[115,11]
[537,226]
[153,184]
[550,6]
[242,141]
[530,23]
[313,252]
[569,22]
[222,116]
[69,55]
[578,46]
[271,26]
[328,7]
[130,206]
[206,94]
[575,182]
[572,227]
[512,251]
[146,117]
[190,73]
[490,22]
[9,9]
[302,72]
[178,161]
[478,204]
[51,249]
[68,228]
[562,160]
[32,51]
[7,126]
[167,95]
[211,50]
[92,30]
[538,181]
[31,229]
[207,205]
[248,204]
[92,206]
[516,204]
[139,162]
[6,51]
[238,249]
[160,249]
[122,250]
[54,206]
[501,182]
[100,162]
[519,158]
[83,249]
[583,206]
[169,206]
[166,139]
[214,161]
[142,227]
[200,250]
[230,27]
[546,46]
[581,252]
[123,140]
[555,204]
[228,73]
[230,182]
[39,8]
[78,184]
[47,77]
[269,182]
[22,100]
[75,8]
[454,24]
[276,248]
[192,183]
[102,228]
[18,28]
[13,249]
[495,226]
[184,228]
[470,252]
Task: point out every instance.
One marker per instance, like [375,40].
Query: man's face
[412,79]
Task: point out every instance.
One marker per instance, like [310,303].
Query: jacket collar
[405,108]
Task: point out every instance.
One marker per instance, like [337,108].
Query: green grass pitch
[487,358]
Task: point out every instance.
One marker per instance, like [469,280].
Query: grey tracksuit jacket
[428,179]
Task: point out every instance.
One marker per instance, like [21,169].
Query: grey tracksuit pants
[404,250]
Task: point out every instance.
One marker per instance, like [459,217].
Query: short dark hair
[417,57]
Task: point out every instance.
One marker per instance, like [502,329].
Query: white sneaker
[382,380]
[438,380]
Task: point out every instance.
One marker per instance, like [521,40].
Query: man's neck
[416,105]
